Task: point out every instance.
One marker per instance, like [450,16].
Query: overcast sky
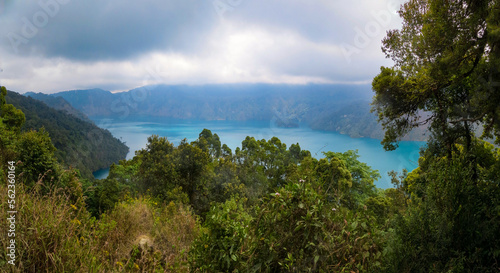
[55,45]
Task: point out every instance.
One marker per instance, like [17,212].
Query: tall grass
[54,233]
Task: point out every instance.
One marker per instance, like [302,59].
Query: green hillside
[79,144]
[59,103]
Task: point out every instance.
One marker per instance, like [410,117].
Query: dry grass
[55,235]
[50,232]
[174,235]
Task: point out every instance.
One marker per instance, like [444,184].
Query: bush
[294,230]
[220,246]
[297,230]
[452,220]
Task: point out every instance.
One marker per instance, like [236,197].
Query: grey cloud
[82,33]
[317,20]
[112,29]
[327,22]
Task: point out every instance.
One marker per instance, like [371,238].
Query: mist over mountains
[340,108]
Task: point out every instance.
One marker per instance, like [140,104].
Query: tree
[363,177]
[297,230]
[446,72]
[191,163]
[452,222]
[219,248]
[13,118]
[157,171]
[446,75]
[209,142]
[3,93]
[334,179]
[270,157]
[36,153]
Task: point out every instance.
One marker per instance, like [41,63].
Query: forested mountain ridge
[340,108]
[59,103]
[79,144]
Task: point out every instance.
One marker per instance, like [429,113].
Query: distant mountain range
[340,108]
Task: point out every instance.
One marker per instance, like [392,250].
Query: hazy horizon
[154,86]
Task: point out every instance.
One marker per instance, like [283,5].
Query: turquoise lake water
[135,131]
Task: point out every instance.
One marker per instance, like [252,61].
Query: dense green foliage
[452,223]
[79,144]
[447,58]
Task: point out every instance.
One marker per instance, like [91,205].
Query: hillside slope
[79,144]
[59,103]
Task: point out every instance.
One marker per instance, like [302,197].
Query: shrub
[220,247]
[297,230]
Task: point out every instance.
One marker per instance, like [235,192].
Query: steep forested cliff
[79,144]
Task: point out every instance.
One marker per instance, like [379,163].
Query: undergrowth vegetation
[54,234]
